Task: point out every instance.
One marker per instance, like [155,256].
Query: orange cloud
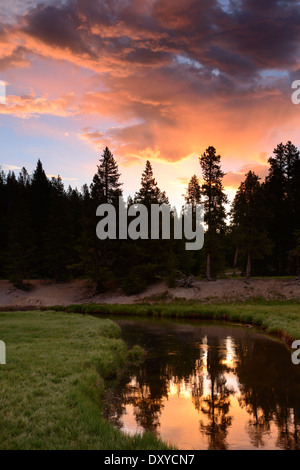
[233,179]
[30,105]
[168,78]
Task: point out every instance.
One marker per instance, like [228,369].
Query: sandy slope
[47,293]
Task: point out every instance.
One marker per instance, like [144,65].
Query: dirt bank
[47,293]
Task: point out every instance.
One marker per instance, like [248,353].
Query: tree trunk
[106,180]
[248,269]
[208,267]
[235,257]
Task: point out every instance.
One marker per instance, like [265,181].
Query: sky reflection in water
[208,386]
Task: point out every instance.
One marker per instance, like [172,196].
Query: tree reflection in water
[216,406]
[239,382]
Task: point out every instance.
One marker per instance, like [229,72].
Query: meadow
[57,368]
[59,363]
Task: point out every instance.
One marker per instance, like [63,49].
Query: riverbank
[57,368]
[47,293]
[277,318]
[60,362]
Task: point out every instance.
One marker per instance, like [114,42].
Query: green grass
[59,364]
[281,318]
[57,368]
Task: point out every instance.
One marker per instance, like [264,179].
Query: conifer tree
[282,189]
[19,249]
[58,235]
[40,190]
[106,187]
[3,224]
[214,200]
[148,258]
[99,256]
[190,262]
[249,217]
[149,192]
[193,193]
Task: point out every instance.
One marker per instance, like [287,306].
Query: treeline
[47,231]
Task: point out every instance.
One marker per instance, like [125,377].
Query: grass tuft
[57,369]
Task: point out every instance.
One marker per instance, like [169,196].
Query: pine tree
[20,249]
[292,156]
[106,187]
[214,200]
[282,186]
[148,258]
[58,235]
[99,256]
[190,262]
[40,190]
[149,192]
[3,221]
[193,192]
[249,217]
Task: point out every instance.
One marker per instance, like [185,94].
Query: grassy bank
[57,368]
[59,364]
[280,318]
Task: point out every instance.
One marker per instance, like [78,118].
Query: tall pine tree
[249,217]
[100,256]
[282,189]
[214,199]
[149,192]
[106,187]
[40,193]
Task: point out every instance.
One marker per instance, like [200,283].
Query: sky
[151,79]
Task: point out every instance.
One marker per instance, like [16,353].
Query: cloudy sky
[151,79]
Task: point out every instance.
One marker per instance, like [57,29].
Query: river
[208,386]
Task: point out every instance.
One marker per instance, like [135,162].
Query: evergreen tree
[214,200]
[190,262]
[282,188]
[147,259]
[3,224]
[39,195]
[249,217]
[99,257]
[19,250]
[292,156]
[149,192]
[193,192]
[106,187]
[58,237]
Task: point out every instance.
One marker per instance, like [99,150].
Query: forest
[49,232]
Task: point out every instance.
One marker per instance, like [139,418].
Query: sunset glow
[157,79]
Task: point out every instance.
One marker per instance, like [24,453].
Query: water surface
[206,386]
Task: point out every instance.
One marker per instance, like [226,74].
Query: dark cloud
[240,40]
[147,56]
[58,26]
[177,69]
[17,58]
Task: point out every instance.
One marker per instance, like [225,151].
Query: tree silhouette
[149,193]
[193,192]
[106,187]
[249,217]
[214,199]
